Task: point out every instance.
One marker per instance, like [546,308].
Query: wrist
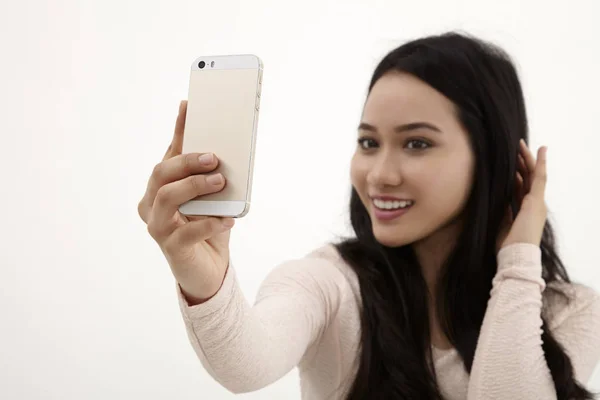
[196,296]
[195,299]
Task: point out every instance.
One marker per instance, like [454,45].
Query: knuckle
[198,184]
[162,195]
[141,209]
[187,164]
[171,245]
[158,171]
[152,231]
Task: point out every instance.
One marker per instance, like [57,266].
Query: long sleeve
[246,348]
[509,360]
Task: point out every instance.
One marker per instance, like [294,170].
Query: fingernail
[206,159]
[228,223]
[215,179]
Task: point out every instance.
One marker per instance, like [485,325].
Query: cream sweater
[306,314]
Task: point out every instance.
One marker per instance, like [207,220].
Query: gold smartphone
[222,118]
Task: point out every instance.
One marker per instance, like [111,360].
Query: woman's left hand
[531,178]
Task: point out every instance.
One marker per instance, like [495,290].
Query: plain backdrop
[88,101]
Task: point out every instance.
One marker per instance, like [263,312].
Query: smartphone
[222,118]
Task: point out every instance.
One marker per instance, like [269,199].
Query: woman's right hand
[196,248]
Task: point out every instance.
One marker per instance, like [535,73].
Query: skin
[435,169]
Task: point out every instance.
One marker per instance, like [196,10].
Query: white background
[89,96]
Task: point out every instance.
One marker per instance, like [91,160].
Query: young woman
[452,287]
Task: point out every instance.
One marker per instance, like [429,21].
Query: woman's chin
[391,237]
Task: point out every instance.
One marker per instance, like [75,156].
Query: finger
[523,171]
[159,230]
[519,179]
[529,161]
[519,182]
[180,167]
[168,152]
[538,185]
[171,170]
[522,167]
[172,195]
[176,146]
[196,231]
[174,149]
[528,157]
[521,190]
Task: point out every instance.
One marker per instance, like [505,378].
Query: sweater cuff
[520,261]
[216,303]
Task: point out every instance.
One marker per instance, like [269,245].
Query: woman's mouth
[390,209]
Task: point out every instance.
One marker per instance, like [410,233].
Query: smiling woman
[456,270]
[412,147]
[451,287]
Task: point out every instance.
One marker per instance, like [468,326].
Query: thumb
[176,146]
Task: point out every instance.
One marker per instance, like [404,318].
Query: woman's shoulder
[328,252]
[563,299]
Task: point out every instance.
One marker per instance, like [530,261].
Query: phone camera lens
[201,64]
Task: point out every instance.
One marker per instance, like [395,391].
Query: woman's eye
[413,144]
[366,143]
[420,144]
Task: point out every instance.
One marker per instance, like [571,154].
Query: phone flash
[212,64]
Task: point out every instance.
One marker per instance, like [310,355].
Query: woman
[452,288]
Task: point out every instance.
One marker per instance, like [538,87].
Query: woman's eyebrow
[364,126]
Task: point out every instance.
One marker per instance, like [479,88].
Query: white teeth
[391,205]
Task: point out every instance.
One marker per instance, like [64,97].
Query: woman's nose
[384,172]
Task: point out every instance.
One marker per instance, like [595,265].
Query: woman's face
[411,147]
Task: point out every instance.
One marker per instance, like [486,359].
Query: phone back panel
[222,116]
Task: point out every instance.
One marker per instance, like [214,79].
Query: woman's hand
[531,178]
[197,248]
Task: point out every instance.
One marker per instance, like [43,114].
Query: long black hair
[395,359]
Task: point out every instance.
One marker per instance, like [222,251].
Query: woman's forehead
[400,96]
